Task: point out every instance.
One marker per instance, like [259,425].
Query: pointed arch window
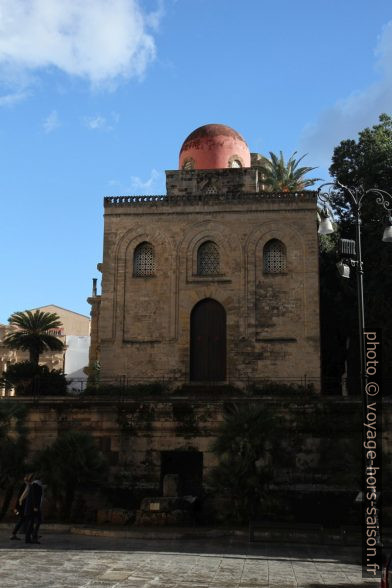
[208,261]
[274,257]
[144,260]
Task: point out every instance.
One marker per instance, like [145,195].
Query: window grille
[211,190]
[144,260]
[208,259]
[274,257]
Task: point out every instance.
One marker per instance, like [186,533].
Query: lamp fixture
[325,226]
[343,269]
[387,236]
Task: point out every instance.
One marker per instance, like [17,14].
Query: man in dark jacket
[33,511]
[19,509]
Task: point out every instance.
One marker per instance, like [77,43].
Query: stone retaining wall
[132,434]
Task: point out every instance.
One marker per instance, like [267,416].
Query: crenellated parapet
[195,199]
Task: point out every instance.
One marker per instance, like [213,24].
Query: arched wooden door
[208,342]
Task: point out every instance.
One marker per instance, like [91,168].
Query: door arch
[208,342]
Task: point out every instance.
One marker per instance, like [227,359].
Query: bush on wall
[249,436]
[29,379]
[72,463]
[13,448]
[133,390]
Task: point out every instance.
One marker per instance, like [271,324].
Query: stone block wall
[272,319]
[322,438]
[234,180]
[130,433]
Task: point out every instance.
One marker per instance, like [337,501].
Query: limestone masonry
[217,281]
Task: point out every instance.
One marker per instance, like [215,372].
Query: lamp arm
[383,198]
[356,195]
[324,197]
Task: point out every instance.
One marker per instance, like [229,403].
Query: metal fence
[124,386]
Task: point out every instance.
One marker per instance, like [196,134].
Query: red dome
[214,147]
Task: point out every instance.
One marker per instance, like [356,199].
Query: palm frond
[33,332]
[281,176]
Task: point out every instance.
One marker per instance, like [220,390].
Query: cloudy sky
[97,96]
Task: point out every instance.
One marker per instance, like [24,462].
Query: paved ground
[73,561]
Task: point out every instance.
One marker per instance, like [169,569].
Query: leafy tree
[72,462]
[337,310]
[32,333]
[285,177]
[245,445]
[366,162]
[28,379]
[13,448]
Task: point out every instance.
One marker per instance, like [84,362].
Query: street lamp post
[356,196]
[369,500]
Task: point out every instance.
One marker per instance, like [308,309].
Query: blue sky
[97,96]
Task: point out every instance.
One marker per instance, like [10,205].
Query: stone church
[215,282]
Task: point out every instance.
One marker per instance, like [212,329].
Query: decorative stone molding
[202,198]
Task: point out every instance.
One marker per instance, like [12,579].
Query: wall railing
[123,386]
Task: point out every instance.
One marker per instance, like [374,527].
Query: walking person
[33,512]
[19,509]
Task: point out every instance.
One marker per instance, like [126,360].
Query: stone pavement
[76,561]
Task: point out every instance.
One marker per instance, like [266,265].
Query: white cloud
[96,122]
[52,122]
[351,114]
[114,184]
[101,123]
[153,19]
[153,185]
[98,40]
[13,98]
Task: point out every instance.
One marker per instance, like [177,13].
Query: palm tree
[72,462]
[33,334]
[247,444]
[285,177]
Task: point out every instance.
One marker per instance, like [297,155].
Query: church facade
[215,282]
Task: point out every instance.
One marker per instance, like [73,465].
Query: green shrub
[279,389]
[29,379]
[71,463]
[148,389]
[13,449]
[207,390]
[247,442]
